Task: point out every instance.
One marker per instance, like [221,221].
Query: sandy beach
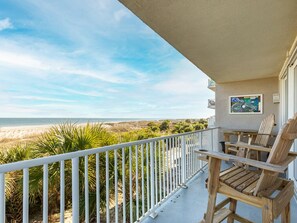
[22,134]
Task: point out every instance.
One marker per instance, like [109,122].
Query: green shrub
[165,125]
[153,126]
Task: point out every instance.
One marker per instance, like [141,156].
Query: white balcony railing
[136,177]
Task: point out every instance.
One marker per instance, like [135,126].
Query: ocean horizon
[12,122]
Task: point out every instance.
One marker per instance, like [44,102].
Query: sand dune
[19,134]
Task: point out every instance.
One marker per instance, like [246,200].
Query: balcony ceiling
[229,40]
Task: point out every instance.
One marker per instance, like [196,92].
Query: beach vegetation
[165,125]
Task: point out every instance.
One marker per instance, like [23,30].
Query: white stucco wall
[266,86]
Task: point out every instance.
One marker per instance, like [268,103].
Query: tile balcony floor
[189,205]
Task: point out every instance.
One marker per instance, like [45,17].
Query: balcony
[211,84]
[154,180]
[211,104]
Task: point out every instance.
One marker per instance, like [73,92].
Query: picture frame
[246,104]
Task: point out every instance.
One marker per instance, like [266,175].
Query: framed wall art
[246,104]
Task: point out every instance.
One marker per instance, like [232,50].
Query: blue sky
[92,59]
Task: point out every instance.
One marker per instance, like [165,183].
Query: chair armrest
[255,163]
[263,134]
[247,146]
[254,147]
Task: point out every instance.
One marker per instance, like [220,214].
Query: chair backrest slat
[278,154]
[265,128]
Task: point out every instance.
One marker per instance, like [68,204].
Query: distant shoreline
[20,122]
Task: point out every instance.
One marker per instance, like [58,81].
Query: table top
[236,131]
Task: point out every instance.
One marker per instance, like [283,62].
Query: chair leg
[267,215]
[211,207]
[233,204]
[213,184]
[286,214]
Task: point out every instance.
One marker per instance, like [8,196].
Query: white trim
[291,56]
[292,88]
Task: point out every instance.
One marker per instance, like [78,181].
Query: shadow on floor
[189,205]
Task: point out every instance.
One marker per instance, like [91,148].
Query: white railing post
[201,140]
[153,214]
[211,135]
[75,190]
[26,195]
[62,191]
[183,161]
[45,193]
[2,198]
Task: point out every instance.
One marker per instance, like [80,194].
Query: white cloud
[109,71]
[22,60]
[5,24]
[84,93]
[120,14]
[185,79]
[37,98]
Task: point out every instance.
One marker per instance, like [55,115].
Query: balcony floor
[189,205]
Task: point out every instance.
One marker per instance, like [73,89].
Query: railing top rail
[67,156]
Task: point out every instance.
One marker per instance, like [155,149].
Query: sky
[92,59]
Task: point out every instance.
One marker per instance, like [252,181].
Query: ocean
[9,122]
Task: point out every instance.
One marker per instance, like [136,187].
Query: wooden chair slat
[224,172]
[231,174]
[251,188]
[236,177]
[243,179]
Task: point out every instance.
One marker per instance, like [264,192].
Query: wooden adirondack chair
[250,186]
[261,139]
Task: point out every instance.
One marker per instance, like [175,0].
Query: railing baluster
[160,171]
[136,179]
[97,188]
[116,185]
[87,217]
[170,165]
[130,184]
[75,190]
[183,159]
[45,193]
[173,162]
[26,195]
[152,177]
[180,164]
[156,174]
[167,167]
[62,191]
[192,156]
[124,186]
[164,170]
[195,157]
[142,181]
[107,185]
[2,198]
[147,180]
[211,138]
[201,138]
